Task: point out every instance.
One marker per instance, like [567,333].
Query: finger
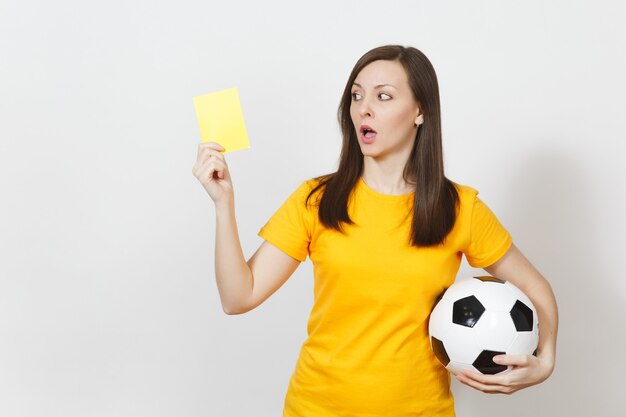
[502,378]
[206,174]
[212,145]
[513,360]
[212,170]
[206,153]
[486,388]
[200,167]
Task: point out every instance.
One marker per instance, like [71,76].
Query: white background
[108,300]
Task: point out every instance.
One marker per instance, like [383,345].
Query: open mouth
[367,131]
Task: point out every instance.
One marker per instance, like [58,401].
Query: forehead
[382,72]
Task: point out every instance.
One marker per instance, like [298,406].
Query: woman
[386,233]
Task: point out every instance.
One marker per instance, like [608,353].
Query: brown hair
[436,198]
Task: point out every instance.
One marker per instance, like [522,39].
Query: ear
[419,119]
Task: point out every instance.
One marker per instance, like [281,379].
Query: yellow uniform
[367,353]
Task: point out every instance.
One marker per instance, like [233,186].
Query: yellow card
[221,120]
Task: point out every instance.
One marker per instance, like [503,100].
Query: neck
[385,177]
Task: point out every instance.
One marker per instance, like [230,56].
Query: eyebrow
[378,86]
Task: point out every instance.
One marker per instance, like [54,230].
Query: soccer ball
[478,318]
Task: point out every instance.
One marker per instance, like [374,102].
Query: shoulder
[314,186]
[315,181]
[306,193]
[471,205]
[466,192]
[468,200]
[305,186]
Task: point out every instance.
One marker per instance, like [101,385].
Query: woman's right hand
[212,172]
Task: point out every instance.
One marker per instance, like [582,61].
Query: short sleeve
[290,226]
[489,240]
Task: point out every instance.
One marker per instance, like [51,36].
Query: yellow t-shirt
[368,353]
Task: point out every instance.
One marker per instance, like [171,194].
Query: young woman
[386,234]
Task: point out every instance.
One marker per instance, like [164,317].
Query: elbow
[229,311]
[233,311]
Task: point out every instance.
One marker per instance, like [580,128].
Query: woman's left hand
[526,370]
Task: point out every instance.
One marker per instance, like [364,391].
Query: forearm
[233,275]
[526,370]
[542,296]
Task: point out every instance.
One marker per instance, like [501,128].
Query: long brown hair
[436,198]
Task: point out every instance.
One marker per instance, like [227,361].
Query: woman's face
[382,100]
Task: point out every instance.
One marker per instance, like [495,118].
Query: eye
[355,98]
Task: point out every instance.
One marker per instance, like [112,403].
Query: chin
[369,151]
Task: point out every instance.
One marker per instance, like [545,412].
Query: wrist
[226,206]
[547,362]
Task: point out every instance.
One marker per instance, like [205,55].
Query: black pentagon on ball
[467,311]
[522,317]
[488,278]
[485,364]
[440,351]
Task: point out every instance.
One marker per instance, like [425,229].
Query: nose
[365,109]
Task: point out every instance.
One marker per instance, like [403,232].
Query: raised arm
[242,285]
[271,267]
[245,285]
